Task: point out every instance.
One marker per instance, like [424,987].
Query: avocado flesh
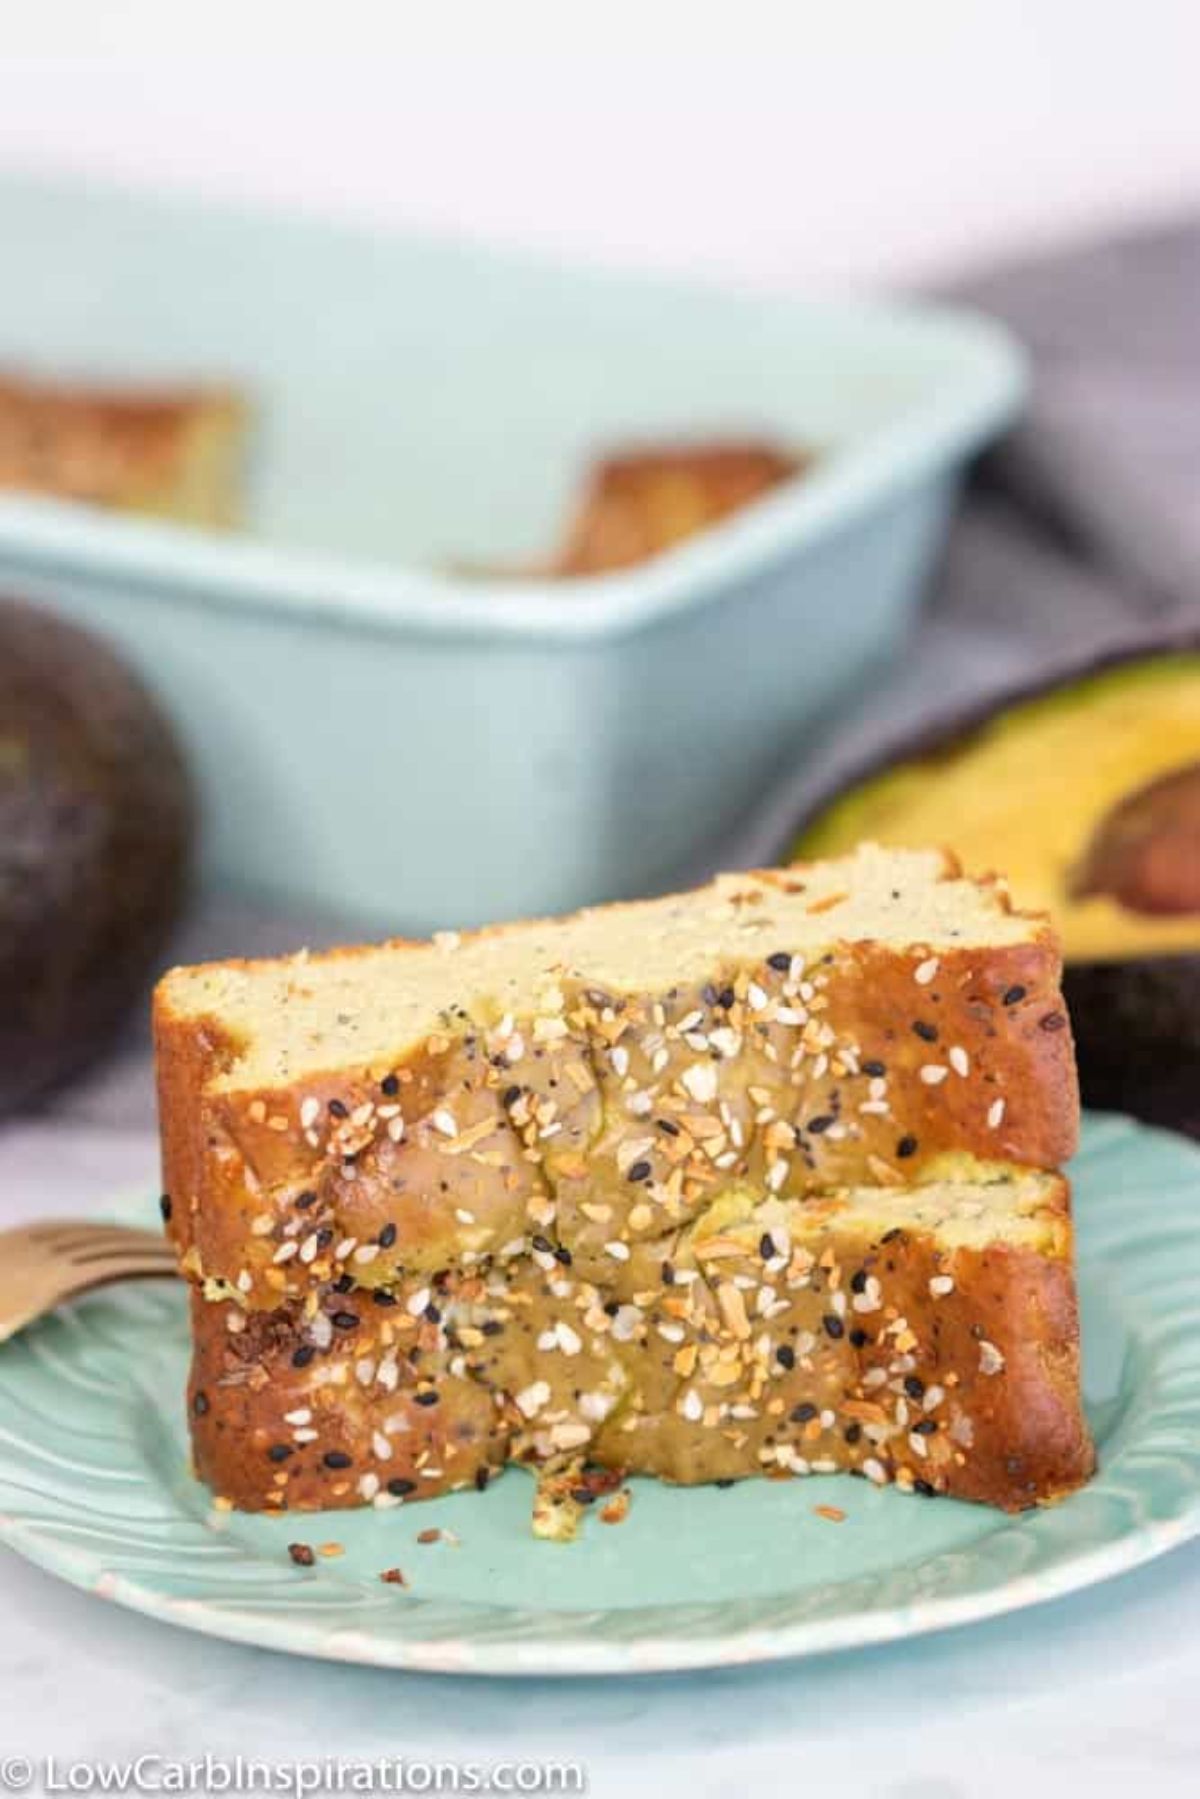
[1027,791]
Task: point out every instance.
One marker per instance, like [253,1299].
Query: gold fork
[41,1265]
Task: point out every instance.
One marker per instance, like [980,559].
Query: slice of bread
[600,1080]
[175,455]
[927,1338]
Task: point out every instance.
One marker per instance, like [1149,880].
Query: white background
[831,144]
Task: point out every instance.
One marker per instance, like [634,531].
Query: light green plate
[94,1486]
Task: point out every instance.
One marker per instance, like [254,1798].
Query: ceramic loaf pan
[379,736]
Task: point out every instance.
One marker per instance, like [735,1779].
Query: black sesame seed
[709,995]
[343,1284]
[612,1307]
[890,1236]
[491,1327]
[303,1200]
[924,1489]
[324,1237]
[928,1033]
[336,1458]
[816,1126]
[766,1246]
[482,1476]
[582,1495]
[399,1488]
[387,1236]
[279,1452]
[381,1297]
[431,1314]
[511,1095]
[200,1404]
[833,1325]
[906,1147]
[876,1069]
[781,961]
[668,1125]
[668,1275]
[1053,1021]
[303,1356]
[852,1432]
[640,1171]
[427,1398]
[785,1355]
[723,1483]
[345,1321]
[859,1337]
[543,1245]
[1013,996]
[858,1281]
[562,1255]
[914,1386]
[337,1109]
[800,1414]
[924,1427]
[164,1206]
[726,998]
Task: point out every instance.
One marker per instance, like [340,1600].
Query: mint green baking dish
[378,737]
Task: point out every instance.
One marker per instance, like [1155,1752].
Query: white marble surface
[1095,1694]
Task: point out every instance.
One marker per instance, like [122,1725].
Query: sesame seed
[389,1085]
[336,1109]
[618,1251]
[640,1171]
[445,1122]
[959,1060]
[991,1361]
[926,971]
[940,1285]
[781,962]
[874,1470]
[928,1033]
[995,1115]
[1013,996]
[336,1458]
[833,1325]
[933,1073]
[700,1080]
[906,1147]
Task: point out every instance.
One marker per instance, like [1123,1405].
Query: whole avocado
[97,820]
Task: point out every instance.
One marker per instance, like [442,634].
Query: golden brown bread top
[642,501]
[158,451]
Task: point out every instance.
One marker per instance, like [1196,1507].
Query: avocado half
[1085,793]
[96,828]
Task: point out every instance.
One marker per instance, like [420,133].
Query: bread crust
[169,452]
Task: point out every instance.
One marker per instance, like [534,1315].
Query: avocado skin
[1137,1036]
[1135,1022]
[97,823]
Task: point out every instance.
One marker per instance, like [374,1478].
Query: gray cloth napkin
[1079,533]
